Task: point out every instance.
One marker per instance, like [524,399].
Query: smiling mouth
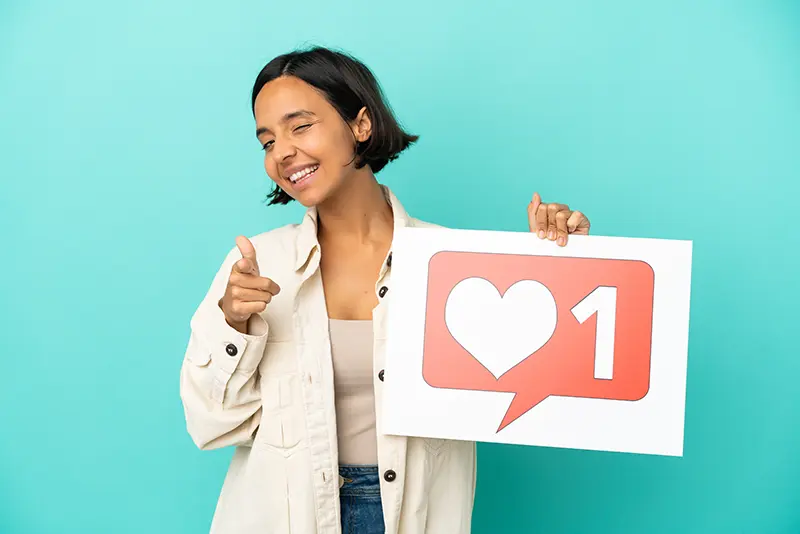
[303,175]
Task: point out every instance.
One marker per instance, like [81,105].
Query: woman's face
[308,148]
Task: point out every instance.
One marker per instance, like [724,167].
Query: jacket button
[231,349]
[389,476]
[380,375]
[389,260]
[382,291]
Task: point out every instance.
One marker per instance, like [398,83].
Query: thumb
[535,201]
[247,250]
[532,207]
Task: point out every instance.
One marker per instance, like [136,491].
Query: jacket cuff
[229,349]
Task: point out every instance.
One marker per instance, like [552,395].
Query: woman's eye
[266,146]
[302,127]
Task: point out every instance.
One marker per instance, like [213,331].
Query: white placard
[504,337]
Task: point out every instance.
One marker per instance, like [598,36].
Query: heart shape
[500,330]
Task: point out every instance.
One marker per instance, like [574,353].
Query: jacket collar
[307,243]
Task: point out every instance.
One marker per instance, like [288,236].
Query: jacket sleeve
[219,383]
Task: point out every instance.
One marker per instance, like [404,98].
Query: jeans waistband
[359,480]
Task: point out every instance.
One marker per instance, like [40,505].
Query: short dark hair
[348,85]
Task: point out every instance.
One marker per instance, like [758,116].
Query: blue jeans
[360,500]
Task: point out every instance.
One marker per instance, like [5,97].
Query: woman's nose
[283,150]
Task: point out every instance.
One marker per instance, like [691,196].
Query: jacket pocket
[197,353]
[282,420]
[436,446]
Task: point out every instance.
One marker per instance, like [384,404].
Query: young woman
[286,351]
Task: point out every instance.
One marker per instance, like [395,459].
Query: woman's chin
[306,202]
[308,197]
[309,194]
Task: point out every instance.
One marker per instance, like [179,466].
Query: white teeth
[299,174]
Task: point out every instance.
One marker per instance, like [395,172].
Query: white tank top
[351,349]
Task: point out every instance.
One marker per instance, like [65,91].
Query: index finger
[541,220]
[260,283]
[269,285]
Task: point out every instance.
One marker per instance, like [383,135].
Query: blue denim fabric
[360,500]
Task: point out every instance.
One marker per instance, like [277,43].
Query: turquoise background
[129,165]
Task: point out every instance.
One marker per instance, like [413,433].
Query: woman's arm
[219,383]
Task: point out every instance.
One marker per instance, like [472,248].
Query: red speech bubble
[600,347]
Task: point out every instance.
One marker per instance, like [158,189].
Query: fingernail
[551,235]
[562,241]
[541,234]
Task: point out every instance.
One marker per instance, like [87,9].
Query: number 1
[603,302]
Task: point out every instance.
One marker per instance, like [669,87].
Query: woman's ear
[362,126]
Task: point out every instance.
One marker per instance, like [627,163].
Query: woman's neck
[358,212]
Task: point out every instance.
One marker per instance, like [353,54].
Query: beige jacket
[270,394]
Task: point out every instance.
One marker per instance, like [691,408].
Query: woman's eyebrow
[289,116]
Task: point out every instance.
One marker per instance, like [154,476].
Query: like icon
[538,326]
